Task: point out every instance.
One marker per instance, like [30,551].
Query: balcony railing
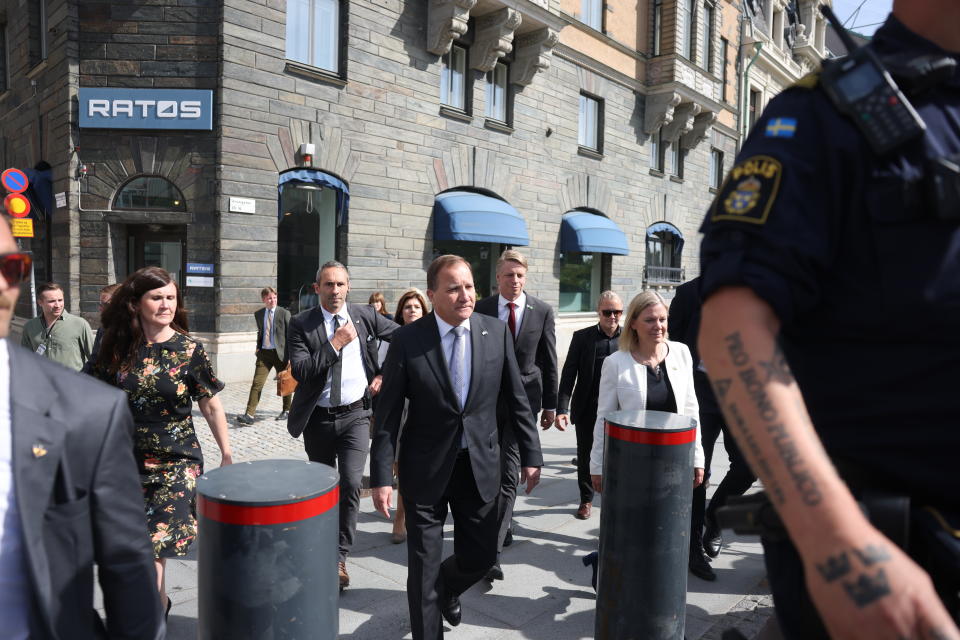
[663,275]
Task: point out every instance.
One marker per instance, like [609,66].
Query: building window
[592,11]
[724,51]
[453,85]
[150,192]
[664,254]
[657,25]
[689,30]
[706,46]
[38,32]
[590,135]
[482,257]
[778,29]
[716,168]
[582,277]
[677,155]
[754,106]
[4,74]
[657,151]
[498,93]
[313,33]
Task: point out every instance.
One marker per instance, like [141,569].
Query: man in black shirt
[588,348]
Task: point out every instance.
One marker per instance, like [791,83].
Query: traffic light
[17,205]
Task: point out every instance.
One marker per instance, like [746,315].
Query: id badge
[42,349]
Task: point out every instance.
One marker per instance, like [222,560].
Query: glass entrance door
[157,246]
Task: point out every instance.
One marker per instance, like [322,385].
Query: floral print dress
[161,387]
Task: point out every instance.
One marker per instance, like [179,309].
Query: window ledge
[497,125]
[714,190]
[456,114]
[590,153]
[315,73]
[656,173]
[37,69]
[676,179]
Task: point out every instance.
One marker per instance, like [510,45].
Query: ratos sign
[123,108]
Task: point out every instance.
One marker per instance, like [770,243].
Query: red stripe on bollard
[272,514]
[650,437]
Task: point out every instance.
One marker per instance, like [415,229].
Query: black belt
[345,408]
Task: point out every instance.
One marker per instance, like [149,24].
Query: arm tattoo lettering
[802,480]
[721,387]
[868,589]
[778,369]
[736,349]
[835,567]
[735,418]
[872,554]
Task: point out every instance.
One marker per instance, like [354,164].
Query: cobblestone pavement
[708,618]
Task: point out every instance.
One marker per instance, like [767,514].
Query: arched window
[150,192]
[588,239]
[664,254]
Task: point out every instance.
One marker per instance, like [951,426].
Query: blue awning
[311,176]
[466,216]
[591,233]
[666,227]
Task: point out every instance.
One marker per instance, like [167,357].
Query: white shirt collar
[445,327]
[520,301]
[328,317]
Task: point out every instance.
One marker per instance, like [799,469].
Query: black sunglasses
[15,266]
[612,312]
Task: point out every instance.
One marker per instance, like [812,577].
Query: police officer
[830,334]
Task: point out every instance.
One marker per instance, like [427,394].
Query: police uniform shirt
[839,242]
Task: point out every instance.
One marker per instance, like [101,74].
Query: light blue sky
[872,14]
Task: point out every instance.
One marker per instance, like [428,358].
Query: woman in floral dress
[146,352]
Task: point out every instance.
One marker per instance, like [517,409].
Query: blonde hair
[629,340]
[512,255]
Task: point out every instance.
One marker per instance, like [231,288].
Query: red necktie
[512,319]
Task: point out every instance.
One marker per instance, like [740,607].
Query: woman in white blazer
[648,373]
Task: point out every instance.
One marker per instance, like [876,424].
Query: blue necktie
[456,363]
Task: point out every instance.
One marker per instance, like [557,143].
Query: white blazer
[623,385]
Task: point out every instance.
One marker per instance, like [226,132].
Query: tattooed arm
[862,584]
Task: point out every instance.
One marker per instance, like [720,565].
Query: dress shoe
[712,541]
[450,610]
[495,573]
[700,567]
[508,539]
[283,415]
[344,576]
[583,513]
[592,560]
[245,419]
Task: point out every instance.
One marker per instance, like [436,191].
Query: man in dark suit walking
[684,323]
[333,357]
[272,324]
[69,496]
[452,366]
[531,324]
[588,349]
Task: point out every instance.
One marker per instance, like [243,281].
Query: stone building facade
[336,124]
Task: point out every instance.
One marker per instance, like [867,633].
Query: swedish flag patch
[781,128]
[749,191]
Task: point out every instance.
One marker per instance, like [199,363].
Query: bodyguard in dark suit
[333,357]
[588,349]
[452,366]
[272,324]
[69,497]
[684,323]
[531,323]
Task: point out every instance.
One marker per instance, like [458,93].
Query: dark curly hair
[122,333]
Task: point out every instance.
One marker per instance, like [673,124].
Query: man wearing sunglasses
[588,348]
[56,334]
[69,496]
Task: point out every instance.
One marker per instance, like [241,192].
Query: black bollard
[645,526]
[267,543]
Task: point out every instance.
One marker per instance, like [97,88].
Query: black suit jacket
[312,355]
[80,504]
[416,370]
[281,318]
[535,348]
[576,380]
[684,326]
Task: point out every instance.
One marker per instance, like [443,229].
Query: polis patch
[749,192]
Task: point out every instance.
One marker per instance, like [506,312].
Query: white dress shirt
[14,584]
[503,311]
[447,338]
[269,317]
[353,377]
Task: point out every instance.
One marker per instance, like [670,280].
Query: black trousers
[474,548]
[739,477]
[341,442]
[509,480]
[584,431]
